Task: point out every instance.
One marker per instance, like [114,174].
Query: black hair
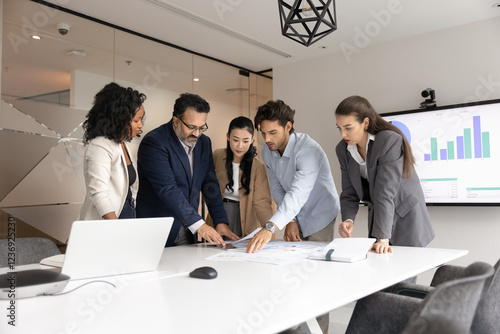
[275,111]
[188,100]
[112,112]
[246,163]
[360,108]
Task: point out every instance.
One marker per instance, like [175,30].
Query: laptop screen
[112,247]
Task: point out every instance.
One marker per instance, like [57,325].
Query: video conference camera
[430,101]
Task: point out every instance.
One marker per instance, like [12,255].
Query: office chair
[27,250]
[487,315]
[451,302]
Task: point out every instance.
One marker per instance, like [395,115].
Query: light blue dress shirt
[301,184]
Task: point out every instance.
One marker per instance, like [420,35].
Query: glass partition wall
[47,87]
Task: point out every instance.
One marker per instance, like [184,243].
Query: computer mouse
[204,273]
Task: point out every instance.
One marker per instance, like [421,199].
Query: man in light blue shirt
[299,177]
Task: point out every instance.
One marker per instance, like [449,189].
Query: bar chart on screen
[463,145]
[457,151]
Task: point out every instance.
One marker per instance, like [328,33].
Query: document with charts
[274,252]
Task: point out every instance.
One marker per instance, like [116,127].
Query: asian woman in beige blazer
[243,180]
[115,118]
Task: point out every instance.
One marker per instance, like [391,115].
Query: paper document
[274,252]
[344,250]
[241,242]
[242,256]
[54,261]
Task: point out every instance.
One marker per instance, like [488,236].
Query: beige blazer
[106,179]
[255,208]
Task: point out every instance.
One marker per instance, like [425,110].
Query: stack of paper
[54,261]
[344,250]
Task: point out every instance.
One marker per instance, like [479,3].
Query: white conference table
[244,298]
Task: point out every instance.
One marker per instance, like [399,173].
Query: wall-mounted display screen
[457,151]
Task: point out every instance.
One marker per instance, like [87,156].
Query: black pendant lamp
[307,21]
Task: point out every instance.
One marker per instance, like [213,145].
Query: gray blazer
[396,209]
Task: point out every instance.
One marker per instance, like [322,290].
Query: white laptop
[99,248]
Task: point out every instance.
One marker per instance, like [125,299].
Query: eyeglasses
[193,128]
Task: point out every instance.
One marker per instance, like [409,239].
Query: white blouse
[235,196]
[353,149]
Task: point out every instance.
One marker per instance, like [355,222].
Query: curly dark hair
[112,113]
[275,111]
[188,100]
[246,163]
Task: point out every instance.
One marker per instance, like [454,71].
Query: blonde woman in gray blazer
[115,118]
[378,169]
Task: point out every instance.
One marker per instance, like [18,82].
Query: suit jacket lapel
[353,169]
[179,151]
[196,160]
[368,161]
[124,160]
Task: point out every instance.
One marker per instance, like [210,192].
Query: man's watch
[270,227]
[383,240]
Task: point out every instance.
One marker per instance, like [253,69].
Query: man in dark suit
[175,164]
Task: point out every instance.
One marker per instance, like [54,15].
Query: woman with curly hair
[115,118]
[243,180]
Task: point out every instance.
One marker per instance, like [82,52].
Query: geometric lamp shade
[42,164]
[307,21]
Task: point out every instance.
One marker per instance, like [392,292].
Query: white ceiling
[48,67]
[259,20]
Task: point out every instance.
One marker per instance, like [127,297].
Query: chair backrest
[27,250]
[446,273]
[487,318]
[454,301]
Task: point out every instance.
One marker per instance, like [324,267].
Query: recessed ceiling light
[80,53]
[322,47]
[196,79]
[36,37]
